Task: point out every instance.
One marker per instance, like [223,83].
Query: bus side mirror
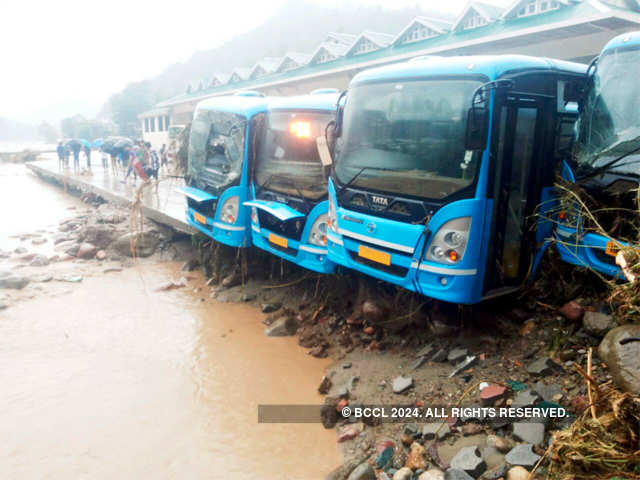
[477,128]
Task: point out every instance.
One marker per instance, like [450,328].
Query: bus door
[522,153]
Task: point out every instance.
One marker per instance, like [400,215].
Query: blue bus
[605,161]
[223,133]
[289,192]
[439,164]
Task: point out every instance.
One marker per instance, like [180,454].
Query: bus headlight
[450,242]
[229,210]
[332,220]
[318,233]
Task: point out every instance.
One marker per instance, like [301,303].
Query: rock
[270,307]
[325,385]
[39,261]
[502,444]
[429,430]
[491,393]
[550,392]
[13,282]
[403,474]
[144,243]
[72,250]
[112,270]
[70,278]
[542,366]
[471,429]
[349,432]
[432,474]
[470,460]
[568,354]
[572,311]
[372,311]
[282,327]
[525,398]
[101,255]
[100,235]
[347,365]
[38,241]
[416,459]
[248,297]
[20,250]
[522,455]
[517,473]
[456,355]
[86,250]
[440,355]
[457,474]
[329,415]
[42,278]
[529,432]
[172,285]
[420,361]
[190,265]
[400,384]
[364,471]
[623,359]
[425,351]
[495,473]
[598,324]
[232,280]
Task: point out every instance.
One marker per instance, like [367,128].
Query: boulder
[144,243]
[456,355]
[502,444]
[518,473]
[598,324]
[432,474]
[39,261]
[621,352]
[529,432]
[372,312]
[364,471]
[522,455]
[13,282]
[416,460]
[400,384]
[282,327]
[403,474]
[86,250]
[470,461]
[550,392]
[572,310]
[100,235]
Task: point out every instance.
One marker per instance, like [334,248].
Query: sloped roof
[268,65]
[345,38]
[242,73]
[221,78]
[301,59]
[335,49]
[513,7]
[486,10]
[379,39]
[435,24]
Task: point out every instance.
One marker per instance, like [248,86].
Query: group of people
[139,159]
[74,148]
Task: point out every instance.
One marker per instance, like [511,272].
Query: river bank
[379,346]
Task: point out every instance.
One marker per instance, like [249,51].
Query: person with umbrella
[60,151]
[87,152]
[76,146]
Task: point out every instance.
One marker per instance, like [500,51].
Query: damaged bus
[605,163]
[217,182]
[439,164]
[289,188]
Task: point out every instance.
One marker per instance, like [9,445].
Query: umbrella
[84,142]
[123,142]
[73,142]
[97,142]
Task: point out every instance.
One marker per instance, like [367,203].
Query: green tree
[128,104]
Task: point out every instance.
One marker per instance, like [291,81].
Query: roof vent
[248,93]
[322,91]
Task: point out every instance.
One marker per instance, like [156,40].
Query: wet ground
[109,378]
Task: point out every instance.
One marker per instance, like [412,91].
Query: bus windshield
[288,159]
[216,146]
[609,123]
[408,137]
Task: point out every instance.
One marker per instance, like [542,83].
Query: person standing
[87,152]
[75,148]
[132,157]
[163,157]
[60,151]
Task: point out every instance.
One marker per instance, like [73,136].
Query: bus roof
[624,40]
[493,67]
[241,105]
[318,101]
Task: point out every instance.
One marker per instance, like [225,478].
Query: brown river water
[112,379]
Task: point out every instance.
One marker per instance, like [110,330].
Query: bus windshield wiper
[357,175]
[289,180]
[594,171]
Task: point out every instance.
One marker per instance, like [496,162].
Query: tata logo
[382,201]
[371,227]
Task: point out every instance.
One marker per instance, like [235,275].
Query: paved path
[166,207]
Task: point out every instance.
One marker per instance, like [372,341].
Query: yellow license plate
[612,249]
[200,218]
[374,255]
[280,241]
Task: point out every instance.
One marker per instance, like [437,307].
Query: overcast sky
[67,56]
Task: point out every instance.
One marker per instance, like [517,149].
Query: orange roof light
[300,129]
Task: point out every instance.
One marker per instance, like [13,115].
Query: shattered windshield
[408,137]
[216,146]
[288,160]
[609,124]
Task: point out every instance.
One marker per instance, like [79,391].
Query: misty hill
[16,131]
[298,26]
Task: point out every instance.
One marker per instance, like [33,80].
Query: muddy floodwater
[112,379]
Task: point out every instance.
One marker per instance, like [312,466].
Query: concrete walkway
[166,207]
